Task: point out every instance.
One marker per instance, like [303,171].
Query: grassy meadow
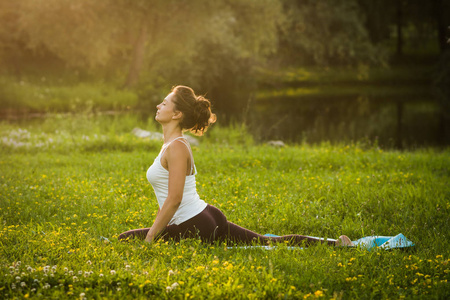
[69,185]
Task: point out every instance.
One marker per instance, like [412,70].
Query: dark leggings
[211,225]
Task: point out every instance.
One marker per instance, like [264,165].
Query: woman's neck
[170,133]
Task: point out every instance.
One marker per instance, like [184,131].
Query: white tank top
[191,204]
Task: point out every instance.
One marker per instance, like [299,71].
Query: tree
[416,22]
[378,18]
[12,47]
[441,12]
[238,40]
[326,32]
[137,35]
[80,33]
[165,28]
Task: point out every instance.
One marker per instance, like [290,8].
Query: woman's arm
[177,156]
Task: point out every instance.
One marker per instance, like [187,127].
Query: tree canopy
[215,46]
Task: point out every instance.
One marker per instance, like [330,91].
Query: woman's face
[166,109]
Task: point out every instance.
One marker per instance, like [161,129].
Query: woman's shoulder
[178,147]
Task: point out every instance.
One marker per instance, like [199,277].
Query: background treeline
[124,54]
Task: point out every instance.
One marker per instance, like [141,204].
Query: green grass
[398,80]
[31,96]
[69,183]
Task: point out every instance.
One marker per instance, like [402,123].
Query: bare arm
[176,156]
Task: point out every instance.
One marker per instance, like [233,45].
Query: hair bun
[203,102]
[203,114]
[197,114]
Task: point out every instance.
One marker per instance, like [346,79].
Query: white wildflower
[172,287]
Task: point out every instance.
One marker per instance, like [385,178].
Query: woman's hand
[149,238]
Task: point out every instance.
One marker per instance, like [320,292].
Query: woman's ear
[177,115]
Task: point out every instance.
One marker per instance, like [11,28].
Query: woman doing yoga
[181,213]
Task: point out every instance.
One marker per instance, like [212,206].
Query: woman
[181,212]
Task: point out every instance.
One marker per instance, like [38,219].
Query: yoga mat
[369,242]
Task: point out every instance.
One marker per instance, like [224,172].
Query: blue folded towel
[384,242]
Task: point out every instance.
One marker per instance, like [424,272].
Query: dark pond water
[395,122]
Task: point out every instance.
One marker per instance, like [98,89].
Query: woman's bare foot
[344,240]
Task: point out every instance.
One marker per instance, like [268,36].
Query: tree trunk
[439,9]
[138,57]
[399,139]
[399,24]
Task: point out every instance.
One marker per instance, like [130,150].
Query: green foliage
[61,211]
[327,33]
[214,46]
